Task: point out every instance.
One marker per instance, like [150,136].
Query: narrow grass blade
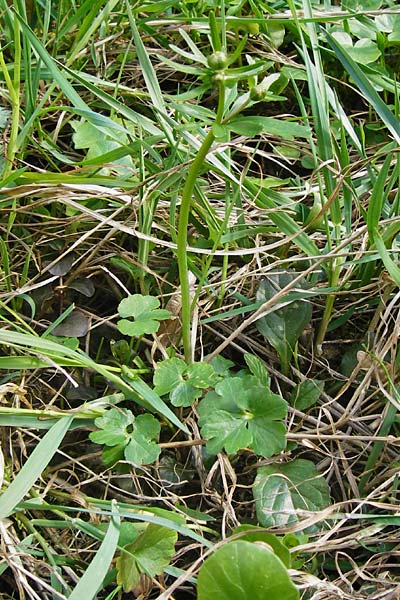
[135,389]
[389,263]
[89,584]
[150,77]
[33,468]
[365,87]
[56,74]
[378,198]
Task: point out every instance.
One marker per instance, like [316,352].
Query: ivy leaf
[146,313]
[283,327]
[282,490]
[241,413]
[124,433]
[150,553]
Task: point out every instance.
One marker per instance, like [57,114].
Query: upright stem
[14,91]
[183,223]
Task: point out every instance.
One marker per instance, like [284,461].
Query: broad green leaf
[146,312]
[282,327]
[252,533]
[150,553]
[141,448]
[242,571]
[254,125]
[282,490]
[184,394]
[90,583]
[113,427]
[306,393]
[34,467]
[364,51]
[201,375]
[100,141]
[168,375]
[241,413]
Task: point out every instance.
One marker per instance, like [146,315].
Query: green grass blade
[34,467]
[378,198]
[135,389]
[365,87]
[90,582]
[150,77]
[56,74]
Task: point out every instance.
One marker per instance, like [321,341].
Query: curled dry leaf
[170,329]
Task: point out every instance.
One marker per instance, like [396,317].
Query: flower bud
[217,61]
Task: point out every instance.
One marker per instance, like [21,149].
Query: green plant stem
[182,237]
[13,90]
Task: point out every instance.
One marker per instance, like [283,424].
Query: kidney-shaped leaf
[281,492]
[242,571]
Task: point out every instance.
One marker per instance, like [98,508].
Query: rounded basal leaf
[283,492]
[244,571]
[282,327]
[141,451]
[306,393]
[136,305]
[252,533]
[134,436]
[201,375]
[150,553]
